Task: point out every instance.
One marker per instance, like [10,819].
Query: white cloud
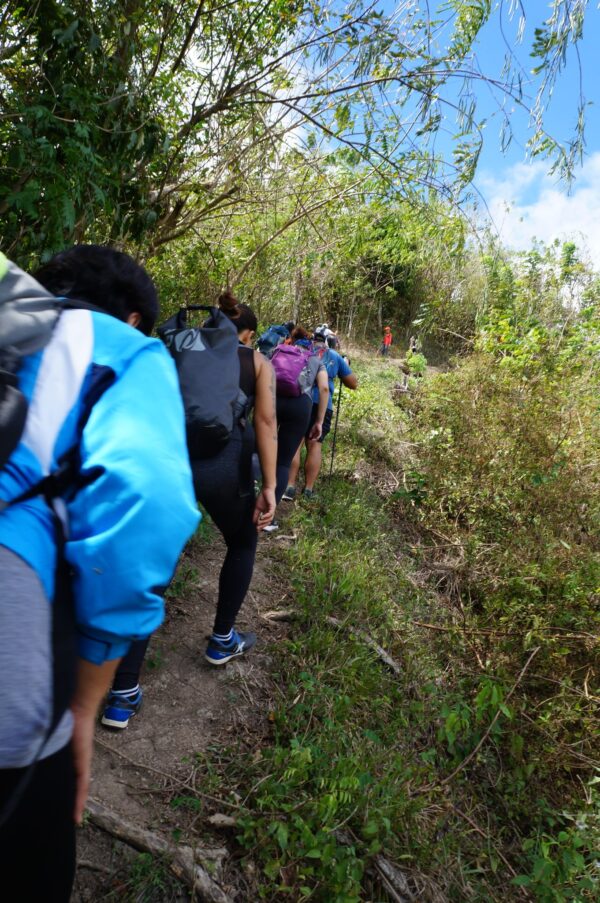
[525,203]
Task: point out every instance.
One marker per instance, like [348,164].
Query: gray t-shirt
[26,667]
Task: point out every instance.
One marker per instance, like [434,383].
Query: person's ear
[134,319]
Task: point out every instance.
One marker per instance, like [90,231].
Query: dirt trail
[188,707]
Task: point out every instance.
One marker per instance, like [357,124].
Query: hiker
[298,374]
[273,336]
[405,370]
[386,342]
[329,336]
[414,345]
[224,485]
[81,573]
[336,366]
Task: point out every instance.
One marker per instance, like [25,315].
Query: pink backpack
[289,361]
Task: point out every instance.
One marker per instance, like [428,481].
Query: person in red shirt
[386,342]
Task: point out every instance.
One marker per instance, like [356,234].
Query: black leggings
[37,843]
[128,672]
[293,415]
[224,486]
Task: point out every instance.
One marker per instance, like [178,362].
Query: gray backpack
[28,315]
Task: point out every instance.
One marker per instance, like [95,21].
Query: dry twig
[164,774]
[488,731]
[182,860]
[485,836]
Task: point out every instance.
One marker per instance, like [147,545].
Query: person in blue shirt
[337,367]
[82,574]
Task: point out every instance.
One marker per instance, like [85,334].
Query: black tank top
[247,374]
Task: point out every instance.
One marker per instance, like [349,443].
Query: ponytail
[299,332]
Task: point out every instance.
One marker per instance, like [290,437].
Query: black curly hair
[106,278]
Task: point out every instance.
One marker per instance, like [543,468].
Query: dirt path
[189,707]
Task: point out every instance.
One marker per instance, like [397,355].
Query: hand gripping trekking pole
[337,417]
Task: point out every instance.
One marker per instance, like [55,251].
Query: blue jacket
[113,392]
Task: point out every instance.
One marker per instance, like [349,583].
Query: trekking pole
[337,417]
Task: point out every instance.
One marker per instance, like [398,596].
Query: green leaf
[282,835]
[68,34]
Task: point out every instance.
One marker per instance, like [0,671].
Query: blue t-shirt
[335,366]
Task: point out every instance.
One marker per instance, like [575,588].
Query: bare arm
[93,681]
[323,386]
[265,426]
[350,381]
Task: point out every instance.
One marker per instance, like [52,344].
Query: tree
[138,122]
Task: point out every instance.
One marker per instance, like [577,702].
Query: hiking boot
[289,495]
[119,709]
[270,528]
[218,653]
[308,494]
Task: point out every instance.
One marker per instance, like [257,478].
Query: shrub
[417,363]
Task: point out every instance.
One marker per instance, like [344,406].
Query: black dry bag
[207,362]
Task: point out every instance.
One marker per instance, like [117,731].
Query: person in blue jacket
[126,512]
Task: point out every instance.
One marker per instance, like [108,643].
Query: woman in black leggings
[293,415]
[225,487]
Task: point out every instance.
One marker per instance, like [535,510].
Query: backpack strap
[49,487]
[63,641]
[247,371]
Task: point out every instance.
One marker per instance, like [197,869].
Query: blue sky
[525,202]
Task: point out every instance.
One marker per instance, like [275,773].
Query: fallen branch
[381,653]
[182,859]
[395,881]
[281,614]
[94,867]
[220,820]
[291,614]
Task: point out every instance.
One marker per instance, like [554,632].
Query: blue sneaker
[220,653]
[119,709]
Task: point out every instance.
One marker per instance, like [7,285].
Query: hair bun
[227,300]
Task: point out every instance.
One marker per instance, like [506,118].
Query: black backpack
[208,367]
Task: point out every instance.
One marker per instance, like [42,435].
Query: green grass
[359,754]
[451,769]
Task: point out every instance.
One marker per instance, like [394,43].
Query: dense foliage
[474,770]
[143,122]
[288,149]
